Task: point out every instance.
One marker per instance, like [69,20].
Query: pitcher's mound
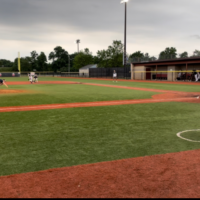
[2,91]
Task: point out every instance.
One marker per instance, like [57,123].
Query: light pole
[77,42]
[124,57]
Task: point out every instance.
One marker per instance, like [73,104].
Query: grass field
[44,139]
[163,86]
[67,93]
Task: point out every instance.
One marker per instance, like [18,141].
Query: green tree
[168,53]
[5,63]
[42,62]
[72,56]
[183,55]
[152,58]
[136,56]
[103,58]
[49,67]
[59,57]
[112,57]
[52,56]
[24,63]
[96,60]
[115,53]
[196,53]
[82,59]
[64,69]
[34,64]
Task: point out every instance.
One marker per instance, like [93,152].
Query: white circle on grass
[179,135]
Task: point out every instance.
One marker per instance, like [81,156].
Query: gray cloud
[196,36]
[152,25]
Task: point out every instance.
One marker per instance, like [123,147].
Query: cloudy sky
[152,25]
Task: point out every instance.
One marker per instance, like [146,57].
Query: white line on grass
[179,135]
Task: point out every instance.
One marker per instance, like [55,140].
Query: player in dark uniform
[35,78]
[3,82]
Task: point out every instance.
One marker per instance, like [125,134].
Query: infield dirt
[157,176]
[4,91]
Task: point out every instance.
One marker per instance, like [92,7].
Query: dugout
[164,69]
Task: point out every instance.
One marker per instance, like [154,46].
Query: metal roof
[177,61]
[89,66]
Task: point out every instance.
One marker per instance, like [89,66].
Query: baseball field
[95,138]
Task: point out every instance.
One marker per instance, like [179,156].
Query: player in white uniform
[198,76]
[30,78]
[114,76]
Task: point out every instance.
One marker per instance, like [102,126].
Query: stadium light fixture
[124,57]
[124,1]
[77,42]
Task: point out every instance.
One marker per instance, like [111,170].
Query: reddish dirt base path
[172,175]
[136,88]
[4,91]
[101,103]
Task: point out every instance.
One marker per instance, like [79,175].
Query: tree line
[168,53]
[61,60]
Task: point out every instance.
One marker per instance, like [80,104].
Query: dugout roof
[177,61]
[89,66]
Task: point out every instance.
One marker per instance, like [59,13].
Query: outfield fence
[122,73]
[9,74]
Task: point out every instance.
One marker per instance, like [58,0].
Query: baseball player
[35,78]
[114,76]
[3,82]
[30,78]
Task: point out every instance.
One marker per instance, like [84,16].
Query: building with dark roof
[164,69]
[84,71]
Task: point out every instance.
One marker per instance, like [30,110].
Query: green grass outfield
[38,140]
[44,139]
